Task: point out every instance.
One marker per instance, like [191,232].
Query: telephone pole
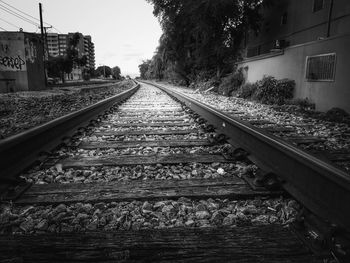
[41,21]
[43,38]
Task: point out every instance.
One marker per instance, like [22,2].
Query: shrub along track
[150,182]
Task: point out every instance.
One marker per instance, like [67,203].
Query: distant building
[21,62]
[307,41]
[89,49]
[58,43]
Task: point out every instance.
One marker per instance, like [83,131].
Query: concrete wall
[35,63]
[12,59]
[21,62]
[292,65]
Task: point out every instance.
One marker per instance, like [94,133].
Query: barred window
[318,5]
[321,67]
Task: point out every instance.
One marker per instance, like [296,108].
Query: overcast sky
[124,31]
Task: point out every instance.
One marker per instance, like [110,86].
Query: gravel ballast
[135,215]
[23,110]
[335,135]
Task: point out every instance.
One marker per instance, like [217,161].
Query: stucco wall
[12,59]
[292,65]
[35,64]
[21,61]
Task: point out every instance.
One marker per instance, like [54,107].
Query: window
[318,5]
[321,67]
[284,18]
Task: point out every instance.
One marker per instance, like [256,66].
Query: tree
[57,66]
[116,72]
[104,71]
[72,53]
[143,67]
[202,37]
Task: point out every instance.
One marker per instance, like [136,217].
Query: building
[89,49]
[52,45]
[57,45]
[21,62]
[307,41]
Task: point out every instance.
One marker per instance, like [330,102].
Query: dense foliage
[268,90]
[200,37]
[231,82]
[144,68]
[116,72]
[103,71]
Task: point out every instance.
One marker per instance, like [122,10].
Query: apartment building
[307,41]
[89,49]
[58,43]
[52,45]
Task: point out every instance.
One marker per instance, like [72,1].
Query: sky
[124,32]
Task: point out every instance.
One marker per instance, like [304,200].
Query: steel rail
[320,186]
[20,151]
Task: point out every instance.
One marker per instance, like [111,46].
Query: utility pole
[43,39]
[41,21]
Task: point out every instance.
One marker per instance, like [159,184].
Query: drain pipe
[330,18]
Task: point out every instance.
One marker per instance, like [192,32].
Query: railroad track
[151,180]
[294,133]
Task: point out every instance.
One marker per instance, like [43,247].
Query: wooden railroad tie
[270,243]
[137,144]
[233,188]
[120,160]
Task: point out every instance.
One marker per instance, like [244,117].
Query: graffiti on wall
[30,51]
[11,56]
[15,63]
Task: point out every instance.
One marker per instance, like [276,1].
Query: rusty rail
[319,186]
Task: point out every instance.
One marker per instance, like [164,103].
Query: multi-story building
[62,44]
[57,45]
[52,45]
[89,49]
[307,41]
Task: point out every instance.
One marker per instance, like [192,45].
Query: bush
[205,85]
[247,90]
[231,83]
[272,91]
[285,90]
[337,115]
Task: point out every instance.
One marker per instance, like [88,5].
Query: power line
[3,28]
[33,17]
[18,15]
[19,10]
[14,13]
[57,30]
[9,23]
